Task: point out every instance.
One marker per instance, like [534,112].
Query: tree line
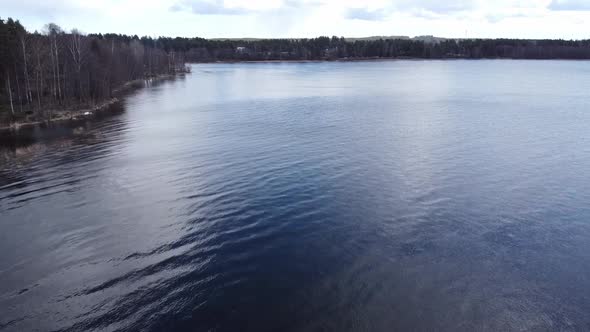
[326,48]
[55,69]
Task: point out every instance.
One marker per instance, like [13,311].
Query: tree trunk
[18,96]
[80,82]
[110,75]
[39,81]
[54,88]
[64,74]
[38,94]
[9,92]
[26,70]
[57,68]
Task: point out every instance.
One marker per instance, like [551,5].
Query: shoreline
[310,61]
[79,112]
[375,59]
[63,116]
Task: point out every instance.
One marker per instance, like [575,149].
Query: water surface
[366,196]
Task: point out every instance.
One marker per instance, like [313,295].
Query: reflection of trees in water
[42,158]
[53,134]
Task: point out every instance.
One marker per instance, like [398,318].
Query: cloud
[435,6]
[498,17]
[310,18]
[215,7]
[418,8]
[571,5]
[239,7]
[366,14]
[301,3]
[41,9]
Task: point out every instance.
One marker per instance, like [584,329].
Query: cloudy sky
[569,19]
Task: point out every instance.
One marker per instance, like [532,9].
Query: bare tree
[38,51]
[9,91]
[78,52]
[53,30]
[23,36]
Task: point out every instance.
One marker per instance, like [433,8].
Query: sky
[566,19]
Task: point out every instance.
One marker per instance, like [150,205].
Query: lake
[335,196]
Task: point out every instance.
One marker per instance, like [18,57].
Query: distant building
[331,52]
[241,49]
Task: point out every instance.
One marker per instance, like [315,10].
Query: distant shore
[310,61]
[370,59]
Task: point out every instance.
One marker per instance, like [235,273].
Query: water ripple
[419,195]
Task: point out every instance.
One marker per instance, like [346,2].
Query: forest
[41,72]
[334,48]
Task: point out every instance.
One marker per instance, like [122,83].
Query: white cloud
[366,14]
[435,6]
[570,5]
[309,18]
[217,7]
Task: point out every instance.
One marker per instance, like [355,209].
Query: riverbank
[81,111]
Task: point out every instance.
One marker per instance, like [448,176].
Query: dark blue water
[368,196]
